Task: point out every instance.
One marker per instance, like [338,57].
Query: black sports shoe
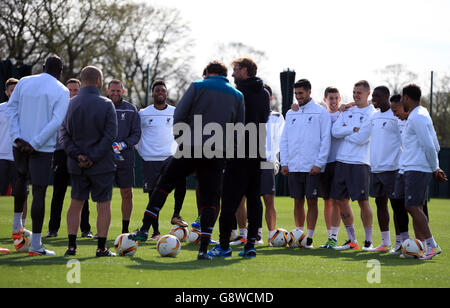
[70,252]
[51,234]
[139,235]
[204,256]
[104,253]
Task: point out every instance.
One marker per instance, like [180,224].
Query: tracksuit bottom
[242,178]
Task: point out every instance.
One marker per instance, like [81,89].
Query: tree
[441,109]
[119,37]
[397,76]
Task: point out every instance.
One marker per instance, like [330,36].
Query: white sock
[405,236]
[398,239]
[329,233]
[17,222]
[386,238]
[234,234]
[24,220]
[36,240]
[334,233]
[351,233]
[260,234]
[300,228]
[368,231]
[310,233]
[271,233]
[243,232]
[431,243]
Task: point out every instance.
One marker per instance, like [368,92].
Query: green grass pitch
[273,267]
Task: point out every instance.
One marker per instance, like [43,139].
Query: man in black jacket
[89,129]
[128,135]
[243,175]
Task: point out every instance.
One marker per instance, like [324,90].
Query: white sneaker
[40,252]
[397,250]
[260,242]
[367,246]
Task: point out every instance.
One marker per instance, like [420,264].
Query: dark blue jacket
[90,128]
[129,131]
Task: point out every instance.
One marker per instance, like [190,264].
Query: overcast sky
[328,42]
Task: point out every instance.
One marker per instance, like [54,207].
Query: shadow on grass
[352,256]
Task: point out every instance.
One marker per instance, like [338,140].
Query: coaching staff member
[88,131]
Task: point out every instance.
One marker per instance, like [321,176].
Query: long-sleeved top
[355,146]
[274,128]
[306,138]
[6,152]
[420,147]
[157,140]
[36,109]
[90,128]
[385,142]
[217,102]
[128,131]
[257,111]
[335,142]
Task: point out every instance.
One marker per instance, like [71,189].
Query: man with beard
[243,175]
[156,148]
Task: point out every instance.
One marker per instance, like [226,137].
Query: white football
[295,238]
[279,238]
[412,248]
[23,244]
[124,246]
[194,236]
[181,233]
[168,246]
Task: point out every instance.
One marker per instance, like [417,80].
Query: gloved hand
[119,146]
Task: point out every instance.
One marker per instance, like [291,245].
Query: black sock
[207,226]
[125,225]
[73,241]
[102,243]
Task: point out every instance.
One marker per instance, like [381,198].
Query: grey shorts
[124,177]
[350,181]
[37,166]
[326,181]
[302,185]
[416,187]
[100,186]
[151,171]
[383,184]
[267,182]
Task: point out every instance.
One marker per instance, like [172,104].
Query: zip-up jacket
[36,109]
[128,131]
[306,138]
[355,146]
[385,142]
[420,148]
[90,128]
[217,101]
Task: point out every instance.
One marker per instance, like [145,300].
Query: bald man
[88,131]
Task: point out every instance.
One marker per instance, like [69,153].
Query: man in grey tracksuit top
[88,131]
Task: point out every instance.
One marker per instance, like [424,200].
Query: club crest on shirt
[122,116]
